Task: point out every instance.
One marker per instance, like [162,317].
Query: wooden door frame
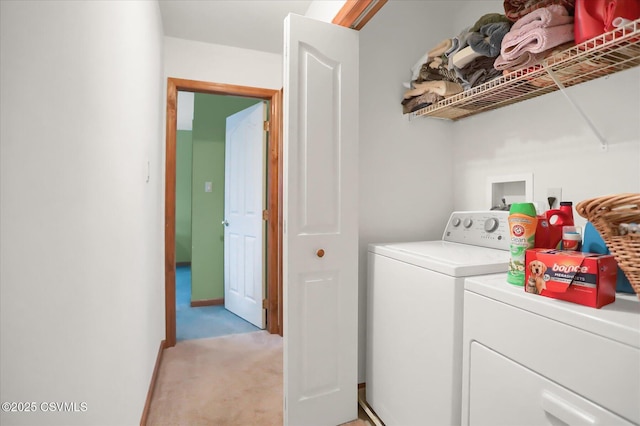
[356,13]
[274,199]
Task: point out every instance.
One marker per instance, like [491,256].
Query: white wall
[467,12]
[324,10]
[221,64]
[81,231]
[185,110]
[547,137]
[406,167]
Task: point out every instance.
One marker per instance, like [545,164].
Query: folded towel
[442,88]
[433,53]
[531,23]
[419,102]
[536,41]
[464,56]
[516,9]
[440,48]
[428,74]
[480,70]
[436,69]
[435,63]
[526,60]
[488,40]
[549,16]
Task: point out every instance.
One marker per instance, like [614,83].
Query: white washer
[414,317]
[532,360]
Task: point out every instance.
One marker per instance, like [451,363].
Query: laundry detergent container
[594,17]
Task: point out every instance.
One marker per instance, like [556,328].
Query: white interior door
[243,204]
[320,244]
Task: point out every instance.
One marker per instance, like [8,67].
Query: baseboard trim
[362,401]
[207,302]
[152,385]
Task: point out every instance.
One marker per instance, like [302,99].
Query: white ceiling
[249,24]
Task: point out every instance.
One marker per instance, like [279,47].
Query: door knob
[225,223]
[320,253]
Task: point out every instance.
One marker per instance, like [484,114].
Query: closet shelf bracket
[563,89]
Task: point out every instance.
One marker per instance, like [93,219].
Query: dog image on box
[536,283]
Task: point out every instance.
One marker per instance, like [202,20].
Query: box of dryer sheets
[585,278]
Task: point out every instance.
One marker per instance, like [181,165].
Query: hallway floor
[223,371]
[203,321]
[231,380]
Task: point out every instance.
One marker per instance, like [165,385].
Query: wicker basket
[606,214]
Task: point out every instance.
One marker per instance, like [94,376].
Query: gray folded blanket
[488,40]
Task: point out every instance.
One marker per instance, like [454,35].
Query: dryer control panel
[479,228]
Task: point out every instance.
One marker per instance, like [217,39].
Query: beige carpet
[223,381]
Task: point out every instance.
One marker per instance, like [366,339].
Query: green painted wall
[210,114]
[183,195]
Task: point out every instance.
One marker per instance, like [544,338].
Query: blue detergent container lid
[593,243]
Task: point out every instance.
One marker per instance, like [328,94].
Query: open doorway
[220,195]
[272,301]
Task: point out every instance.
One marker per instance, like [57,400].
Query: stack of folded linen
[431,79]
[472,58]
[435,67]
[426,92]
[456,64]
[533,36]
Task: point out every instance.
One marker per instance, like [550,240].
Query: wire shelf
[603,55]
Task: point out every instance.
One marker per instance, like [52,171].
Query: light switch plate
[208,186]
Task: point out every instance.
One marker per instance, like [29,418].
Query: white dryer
[532,360]
[414,317]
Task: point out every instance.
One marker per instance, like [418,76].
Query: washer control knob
[467,223]
[491,225]
[455,222]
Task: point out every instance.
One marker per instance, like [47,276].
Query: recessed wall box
[512,188]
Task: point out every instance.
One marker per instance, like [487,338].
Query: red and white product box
[584,278]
